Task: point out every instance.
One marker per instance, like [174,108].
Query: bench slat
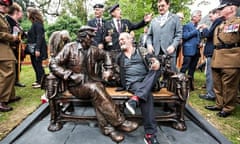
[161,93]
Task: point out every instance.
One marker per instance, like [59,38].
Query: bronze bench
[175,93]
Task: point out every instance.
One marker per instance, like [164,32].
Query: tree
[64,22]
[76,8]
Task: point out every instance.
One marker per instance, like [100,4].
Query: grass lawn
[230,126]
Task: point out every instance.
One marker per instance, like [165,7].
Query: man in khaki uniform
[7,60]
[225,60]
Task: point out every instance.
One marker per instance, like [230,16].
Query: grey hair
[125,34]
[56,42]
[196,12]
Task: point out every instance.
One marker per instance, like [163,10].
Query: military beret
[113,8]
[224,3]
[98,6]
[6,2]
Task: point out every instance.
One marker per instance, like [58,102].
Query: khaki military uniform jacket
[6,53]
[227,44]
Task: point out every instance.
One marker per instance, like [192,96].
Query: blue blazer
[208,33]
[191,40]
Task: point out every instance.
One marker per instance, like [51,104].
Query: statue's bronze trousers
[106,110]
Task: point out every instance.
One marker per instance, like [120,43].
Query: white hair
[56,41]
[195,13]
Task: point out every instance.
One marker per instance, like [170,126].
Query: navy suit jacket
[208,33]
[126,26]
[98,39]
[191,40]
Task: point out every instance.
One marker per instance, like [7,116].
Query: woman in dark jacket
[36,37]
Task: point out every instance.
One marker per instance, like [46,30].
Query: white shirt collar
[165,15]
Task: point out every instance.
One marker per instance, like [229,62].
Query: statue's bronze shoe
[116,136]
[112,133]
[128,126]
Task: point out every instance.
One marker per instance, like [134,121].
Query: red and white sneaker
[150,139]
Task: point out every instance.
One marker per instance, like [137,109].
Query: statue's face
[88,41]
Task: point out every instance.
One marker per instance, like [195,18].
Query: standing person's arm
[107,34]
[188,34]
[40,37]
[150,39]
[6,36]
[145,21]
[177,37]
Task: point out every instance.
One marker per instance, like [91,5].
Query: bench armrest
[179,84]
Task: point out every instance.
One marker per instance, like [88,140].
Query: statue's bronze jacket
[73,60]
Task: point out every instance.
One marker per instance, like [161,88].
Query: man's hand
[16,38]
[201,26]
[148,17]
[155,64]
[170,49]
[150,49]
[108,38]
[37,53]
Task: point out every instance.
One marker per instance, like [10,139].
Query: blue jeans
[209,78]
[143,91]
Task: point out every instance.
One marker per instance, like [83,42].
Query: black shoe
[4,107]
[19,84]
[206,97]
[223,114]
[213,108]
[16,98]
[150,139]
[131,106]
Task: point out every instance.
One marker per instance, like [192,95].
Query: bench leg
[180,124]
[54,109]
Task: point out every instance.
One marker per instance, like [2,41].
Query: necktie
[98,24]
[119,25]
[163,19]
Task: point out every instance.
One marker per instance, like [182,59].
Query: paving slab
[88,132]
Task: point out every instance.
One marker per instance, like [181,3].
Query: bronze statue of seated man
[73,64]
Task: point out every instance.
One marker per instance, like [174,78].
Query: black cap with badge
[224,3]
[113,8]
[98,6]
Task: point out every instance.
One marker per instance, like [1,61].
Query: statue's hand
[77,78]
[107,75]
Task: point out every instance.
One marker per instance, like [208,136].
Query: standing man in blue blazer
[98,23]
[191,41]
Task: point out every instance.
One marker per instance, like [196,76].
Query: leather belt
[227,46]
